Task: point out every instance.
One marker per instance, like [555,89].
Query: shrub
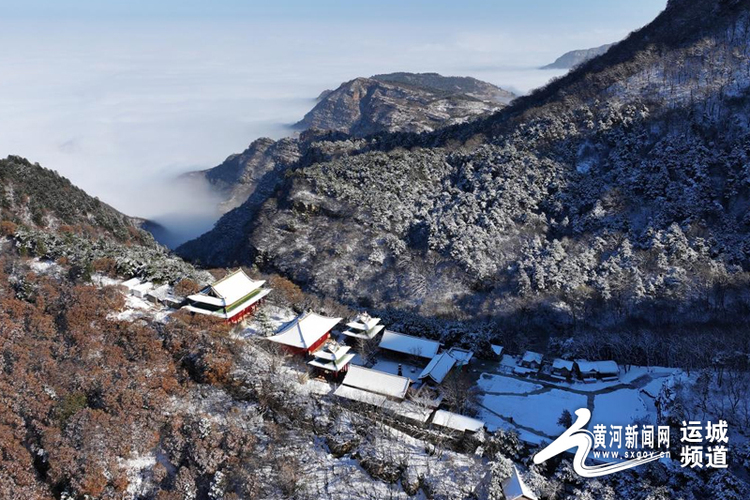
[7,228]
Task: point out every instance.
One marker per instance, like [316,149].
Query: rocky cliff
[405,102]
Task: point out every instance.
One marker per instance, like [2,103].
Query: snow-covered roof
[462,356]
[405,409]
[332,365]
[560,364]
[206,299]
[605,367]
[331,350]
[359,395]
[438,367]
[165,293]
[409,410]
[305,331]
[377,382]
[408,344]
[515,489]
[363,321]
[228,290]
[143,287]
[160,291]
[129,284]
[497,349]
[530,357]
[362,333]
[456,422]
[235,311]
[234,286]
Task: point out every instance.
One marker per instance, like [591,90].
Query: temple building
[372,386]
[332,357]
[363,327]
[438,368]
[231,298]
[307,333]
[406,344]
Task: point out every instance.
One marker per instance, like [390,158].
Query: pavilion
[332,357]
[231,298]
[363,327]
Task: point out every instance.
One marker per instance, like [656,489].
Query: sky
[124,96]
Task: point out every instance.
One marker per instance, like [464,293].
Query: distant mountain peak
[403,102]
[577,57]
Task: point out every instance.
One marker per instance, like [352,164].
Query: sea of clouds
[124,108]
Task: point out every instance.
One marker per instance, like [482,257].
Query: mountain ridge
[539,200]
[573,58]
[408,102]
[426,101]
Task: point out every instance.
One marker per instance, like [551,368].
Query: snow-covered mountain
[614,194]
[403,102]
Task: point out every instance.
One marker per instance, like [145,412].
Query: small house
[141,289]
[164,295]
[532,360]
[530,363]
[562,369]
[590,371]
[128,285]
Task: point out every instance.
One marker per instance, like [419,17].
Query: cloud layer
[123,107]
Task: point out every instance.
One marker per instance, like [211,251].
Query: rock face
[403,102]
[384,103]
[576,57]
[255,168]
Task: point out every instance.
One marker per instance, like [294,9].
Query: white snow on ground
[627,399]
[499,383]
[317,386]
[45,267]
[621,407]
[449,474]
[137,308]
[539,412]
[277,318]
[101,280]
[389,366]
[135,469]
